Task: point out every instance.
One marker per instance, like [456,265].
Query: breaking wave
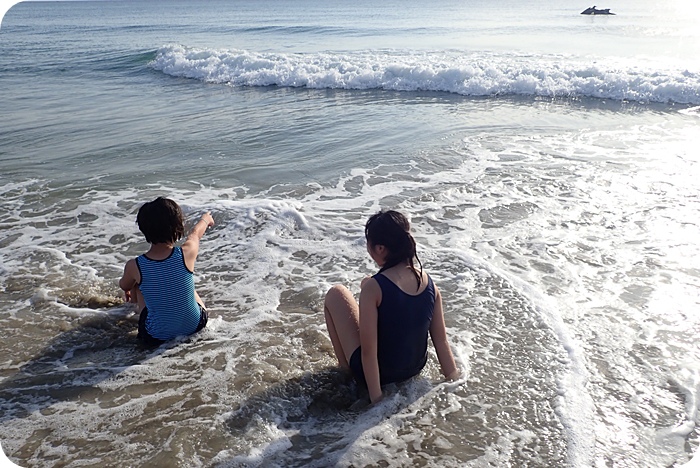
[468,74]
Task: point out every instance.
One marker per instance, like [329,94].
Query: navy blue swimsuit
[403,322]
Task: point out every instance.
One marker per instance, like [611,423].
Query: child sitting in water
[161,281]
[385,338]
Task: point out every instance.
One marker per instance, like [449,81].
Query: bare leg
[343,321]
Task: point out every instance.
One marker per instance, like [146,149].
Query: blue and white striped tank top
[168,289]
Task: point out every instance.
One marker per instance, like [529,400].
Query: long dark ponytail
[392,230]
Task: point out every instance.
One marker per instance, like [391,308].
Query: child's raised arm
[190,248]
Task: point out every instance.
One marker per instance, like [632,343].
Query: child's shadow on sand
[70,366]
[311,420]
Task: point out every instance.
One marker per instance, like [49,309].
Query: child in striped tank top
[161,281]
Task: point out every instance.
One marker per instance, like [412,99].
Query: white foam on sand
[268,261]
[4,461]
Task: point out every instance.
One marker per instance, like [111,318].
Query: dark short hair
[161,221]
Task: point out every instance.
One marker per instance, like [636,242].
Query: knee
[338,292]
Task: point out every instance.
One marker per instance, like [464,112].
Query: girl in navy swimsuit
[384,339]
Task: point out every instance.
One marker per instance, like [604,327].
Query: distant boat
[595,11]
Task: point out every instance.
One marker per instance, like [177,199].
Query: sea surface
[548,162]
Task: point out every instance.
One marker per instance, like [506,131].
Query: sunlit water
[548,163]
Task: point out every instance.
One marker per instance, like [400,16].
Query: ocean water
[548,162]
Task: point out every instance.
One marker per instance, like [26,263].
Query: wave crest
[468,74]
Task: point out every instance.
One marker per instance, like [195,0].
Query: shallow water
[561,230]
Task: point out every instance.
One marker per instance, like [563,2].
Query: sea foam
[468,74]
